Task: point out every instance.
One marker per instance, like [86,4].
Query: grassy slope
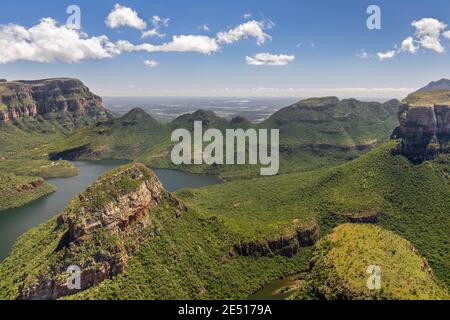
[13,193]
[311,137]
[341,260]
[42,168]
[414,199]
[428,98]
[191,258]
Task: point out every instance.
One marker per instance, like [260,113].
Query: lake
[15,222]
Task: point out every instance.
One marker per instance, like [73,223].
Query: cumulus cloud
[446,34]
[151,63]
[152,33]
[48,42]
[159,22]
[247,15]
[122,16]
[428,31]
[181,43]
[204,27]
[267,59]
[363,55]
[408,45]
[253,29]
[386,55]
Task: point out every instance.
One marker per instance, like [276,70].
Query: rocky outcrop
[101,228]
[424,131]
[285,245]
[19,99]
[368,216]
[33,185]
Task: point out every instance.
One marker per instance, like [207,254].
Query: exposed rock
[370,216]
[285,245]
[424,131]
[30,186]
[20,99]
[103,226]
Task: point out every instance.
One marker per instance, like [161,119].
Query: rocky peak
[443,84]
[24,98]
[424,131]
[101,228]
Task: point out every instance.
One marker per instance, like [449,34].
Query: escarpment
[424,131]
[21,99]
[285,245]
[100,229]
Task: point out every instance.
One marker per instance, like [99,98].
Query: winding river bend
[15,222]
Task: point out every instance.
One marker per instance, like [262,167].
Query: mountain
[34,113]
[424,118]
[329,123]
[48,97]
[232,241]
[134,134]
[341,260]
[314,133]
[435,93]
[443,84]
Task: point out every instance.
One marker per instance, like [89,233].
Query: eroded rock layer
[100,229]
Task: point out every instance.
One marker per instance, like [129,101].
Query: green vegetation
[16,191]
[193,256]
[42,168]
[341,260]
[314,133]
[413,200]
[428,98]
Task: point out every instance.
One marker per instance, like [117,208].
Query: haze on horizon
[254,48]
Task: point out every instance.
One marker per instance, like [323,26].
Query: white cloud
[446,34]
[267,59]
[181,43]
[152,33]
[408,45]
[158,22]
[247,15]
[363,55]
[48,42]
[428,31]
[204,27]
[248,29]
[124,17]
[151,63]
[386,55]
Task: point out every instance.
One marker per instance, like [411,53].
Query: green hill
[233,240]
[314,133]
[15,191]
[437,92]
[341,260]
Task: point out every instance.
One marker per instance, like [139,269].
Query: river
[15,222]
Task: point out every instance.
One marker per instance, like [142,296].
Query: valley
[360,183]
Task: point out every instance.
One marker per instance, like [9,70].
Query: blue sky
[317,47]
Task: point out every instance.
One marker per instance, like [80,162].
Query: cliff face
[285,245]
[424,131]
[19,99]
[101,228]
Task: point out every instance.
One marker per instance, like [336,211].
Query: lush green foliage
[42,168]
[15,191]
[341,260]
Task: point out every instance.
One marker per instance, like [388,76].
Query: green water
[15,222]
[274,290]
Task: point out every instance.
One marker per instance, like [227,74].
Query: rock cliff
[424,131]
[285,245]
[19,99]
[101,228]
